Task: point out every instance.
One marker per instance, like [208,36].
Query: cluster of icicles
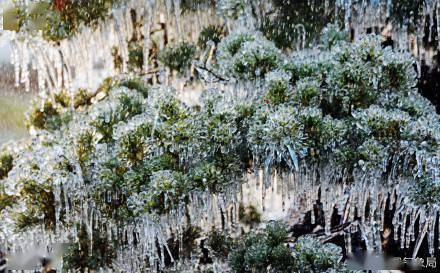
[375,16]
[362,205]
[73,62]
[83,60]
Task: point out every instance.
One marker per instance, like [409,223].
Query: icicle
[422,235]
[347,16]
[388,8]
[431,233]
[16,62]
[437,9]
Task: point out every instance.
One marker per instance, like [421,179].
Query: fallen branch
[215,77]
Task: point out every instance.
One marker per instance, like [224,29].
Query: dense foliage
[130,150]
[269,251]
[178,58]
[60,19]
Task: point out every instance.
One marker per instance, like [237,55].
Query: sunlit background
[13,101]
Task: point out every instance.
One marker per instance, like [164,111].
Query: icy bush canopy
[130,168]
[326,133]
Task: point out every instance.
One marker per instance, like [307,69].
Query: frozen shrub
[314,65]
[363,71]
[375,135]
[135,56]
[6,200]
[178,57]
[414,104]
[53,114]
[139,175]
[170,109]
[165,191]
[124,106]
[136,84]
[279,136]
[247,56]
[262,250]
[46,117]
[311,255]
[129,106]
[244,114]
[425,191]
[332,34]
[268,251]
[40,205]
[425,130]
[85,145]
[277,87]
[249,215]
[79,256]
[211,33]
[220,137]
[382,124]
[82,97]
[372,154]
[276,234]
[106,85]
[307,92]
[6,164]
[180,134]
[62,98]
[219,242]
[233,43]
[194,5]
[103,124]
[351,87]
[398,73]
[134,145]
[255,59]
[322,133]
[210,176]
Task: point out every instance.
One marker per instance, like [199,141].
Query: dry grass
[14,103]
[12,115]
